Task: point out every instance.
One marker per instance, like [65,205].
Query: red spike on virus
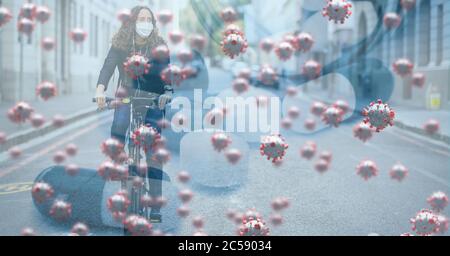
[403,67]
[164,17]
[391,20]
[425,223]
[337,10]
[78,35]
[220,141]
[273,147]
[284,51]
[5,16]
[367,169]
[398,172]
[233,44]
[136,66]
[379,115]
[176,36]
[41,192]
[46,90]
[438,201]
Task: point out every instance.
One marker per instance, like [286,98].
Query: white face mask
[144,29]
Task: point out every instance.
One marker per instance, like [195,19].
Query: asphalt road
[337,202]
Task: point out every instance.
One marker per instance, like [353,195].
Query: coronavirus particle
[176,36]
[161,156]
[312,69]
[431,127]
[164,17]
[240,85]
[41,192]
[425,223]
[37,120]
[136,66]
[304,42]
[379,115]
[78,35]
[337,10]
[363,131]
[138,226]
[20,113]
[332,116]
[80,229]
[284,51]
[273,147]
[5,15]
[253,227]
[308,151]
[145,136]
[198,42]
[48,43]
[418,80]
[267,45]
[61,210]
[391,20]
[322,166]
[220,141]
[233,44]
[172,75]
[228,15]
[233,156]
[110,171]
[26,26]
[185,56]
[398,172]
[118,205]
[438,201]
[408,4]
[367,169]
[124,15]
[268,76]
[43,14]
[112,148]
[443,224]
[293,112]
[46,90]
[403,67]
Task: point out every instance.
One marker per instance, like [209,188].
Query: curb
[29,134]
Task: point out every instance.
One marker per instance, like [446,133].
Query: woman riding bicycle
[138,35]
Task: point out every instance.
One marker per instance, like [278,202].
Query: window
[440,34]
[424,33]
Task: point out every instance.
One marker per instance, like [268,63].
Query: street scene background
[357,59]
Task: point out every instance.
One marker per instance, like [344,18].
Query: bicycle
[140,103]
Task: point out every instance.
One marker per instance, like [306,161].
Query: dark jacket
[150,82]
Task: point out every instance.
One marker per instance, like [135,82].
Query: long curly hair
[123,39]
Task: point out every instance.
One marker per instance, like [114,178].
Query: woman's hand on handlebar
[164,99]
[100,96]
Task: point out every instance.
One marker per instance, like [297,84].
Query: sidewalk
[407,118]
[71,107]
